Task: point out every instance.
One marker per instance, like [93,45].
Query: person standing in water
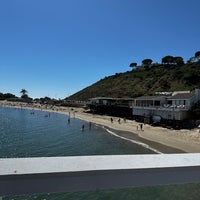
[90,125]
[83,127]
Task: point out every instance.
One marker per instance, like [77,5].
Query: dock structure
[24,176]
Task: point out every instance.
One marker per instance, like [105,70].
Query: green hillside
[144,82]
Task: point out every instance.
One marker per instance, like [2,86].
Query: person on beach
[119,120]
[141,127]
[111,119]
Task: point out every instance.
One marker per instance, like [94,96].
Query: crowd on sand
[185,140]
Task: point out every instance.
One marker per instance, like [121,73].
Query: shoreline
[162,139]
[154,146]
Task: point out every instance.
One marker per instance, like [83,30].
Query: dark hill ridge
[144,82]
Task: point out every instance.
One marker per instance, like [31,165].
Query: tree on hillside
[178,60]
[197,55]
[1,96]
[8,96]
[24,94]
[191,60]
[133,65]
[46,100]
[146,63]
[168,60]
[195,58]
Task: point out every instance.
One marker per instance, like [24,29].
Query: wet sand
[159,147]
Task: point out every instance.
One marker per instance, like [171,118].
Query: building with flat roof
[169,107]
[121,107]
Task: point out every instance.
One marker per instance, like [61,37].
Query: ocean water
[23,134]
[49,134]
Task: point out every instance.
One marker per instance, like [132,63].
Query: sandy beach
[183,140]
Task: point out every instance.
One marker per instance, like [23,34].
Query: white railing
[22,176]
[169,108]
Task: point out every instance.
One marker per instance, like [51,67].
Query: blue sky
[57,47]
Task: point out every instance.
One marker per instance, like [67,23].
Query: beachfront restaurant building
[112,106]
[167,107]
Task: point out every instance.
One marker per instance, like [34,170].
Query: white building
[174,107]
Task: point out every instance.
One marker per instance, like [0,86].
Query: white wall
[171,113]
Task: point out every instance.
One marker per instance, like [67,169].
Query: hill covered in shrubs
[145,80]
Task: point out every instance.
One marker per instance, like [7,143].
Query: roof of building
[182,96]
[151,98]
[110,98]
